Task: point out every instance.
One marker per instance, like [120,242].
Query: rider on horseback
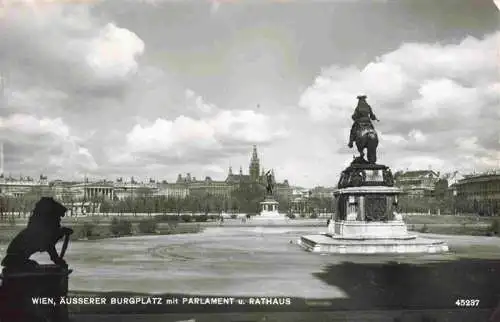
[362,114]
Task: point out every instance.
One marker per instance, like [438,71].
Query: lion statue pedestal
[18,290]
[24,280]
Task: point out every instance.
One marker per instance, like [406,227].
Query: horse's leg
[372,149]
[360,144]
[372,157]
[359,147]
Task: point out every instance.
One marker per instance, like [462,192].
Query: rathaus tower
[254,168]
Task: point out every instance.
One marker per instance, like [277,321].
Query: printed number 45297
[467,302]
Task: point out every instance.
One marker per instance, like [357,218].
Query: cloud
[113,53]
[214,7]
[91,89]
[43,145]
[213,135]
[65,44]
[197,103]
[431,99]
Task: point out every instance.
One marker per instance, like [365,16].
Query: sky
[154,88]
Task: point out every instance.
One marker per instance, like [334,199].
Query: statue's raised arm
[362,130]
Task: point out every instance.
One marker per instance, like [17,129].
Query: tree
[3,207]
[441,189]
[249,195]
[284,205]
[120,227]
[106,206]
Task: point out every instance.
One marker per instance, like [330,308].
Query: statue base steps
[325,243]
[270,218]
[359,229]
[19,288]
[269,214]
[358,237]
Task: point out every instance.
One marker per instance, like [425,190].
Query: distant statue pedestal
[366,220]
[269,212]
[19,288]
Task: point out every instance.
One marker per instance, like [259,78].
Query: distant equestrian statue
[363,132]
[270,183]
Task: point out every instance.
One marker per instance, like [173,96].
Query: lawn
[448,219]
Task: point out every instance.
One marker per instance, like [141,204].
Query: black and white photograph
[250,160]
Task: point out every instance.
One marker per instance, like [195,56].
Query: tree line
[245,198]
[448,205]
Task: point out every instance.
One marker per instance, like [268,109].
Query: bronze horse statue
[367,138]
[363,132]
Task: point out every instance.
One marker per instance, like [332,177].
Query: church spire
[254,165]
[255,157]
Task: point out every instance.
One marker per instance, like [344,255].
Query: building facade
[224,188]
[478,194]
[421,183]
[13,187]
[322,192]
[173,190]
[88,191]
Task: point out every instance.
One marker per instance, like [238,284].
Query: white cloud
[420,71]
[44,144]
[215,5]
[114,52]
[76,72]
[29,125]
[421,162]
[213,168]
[430,97]
[195,137]
[417,136]
[197,103]
[68,40]
[468,144]
[35,98]
[392,138]
[445,98]
[387,79]
[165,135]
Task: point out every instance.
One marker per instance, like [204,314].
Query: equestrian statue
[270,183]
[363,132]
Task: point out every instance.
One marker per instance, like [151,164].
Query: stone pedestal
[269,207]
[269,212]
[366,219]
[19,288]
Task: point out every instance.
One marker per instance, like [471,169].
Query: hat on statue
[361,97]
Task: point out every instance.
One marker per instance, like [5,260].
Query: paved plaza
[239,261]
[266,261]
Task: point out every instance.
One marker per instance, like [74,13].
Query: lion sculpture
[41,235]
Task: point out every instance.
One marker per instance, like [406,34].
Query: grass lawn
[448,219]
[7,233]
[102,230]
[452,229]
